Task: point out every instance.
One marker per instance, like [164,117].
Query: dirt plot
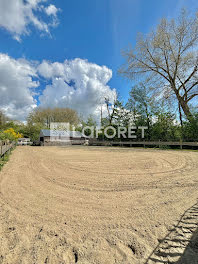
[99,205]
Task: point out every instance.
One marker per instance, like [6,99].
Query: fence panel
[5,148]
[143,143]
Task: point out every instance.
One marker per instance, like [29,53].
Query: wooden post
[181,144]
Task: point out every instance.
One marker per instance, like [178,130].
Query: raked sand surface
[99,205]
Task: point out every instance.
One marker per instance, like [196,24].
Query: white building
[24,141]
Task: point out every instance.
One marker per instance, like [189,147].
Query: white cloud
[16,83]
[78,84]
[51,10]
[17,15]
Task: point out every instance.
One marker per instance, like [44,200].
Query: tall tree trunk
[184,105]
[181,121]
[148,122]
[186,110]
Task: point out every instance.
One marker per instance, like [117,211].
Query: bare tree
[48,115]
[169,55]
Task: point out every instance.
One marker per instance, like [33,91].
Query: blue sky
[94,30]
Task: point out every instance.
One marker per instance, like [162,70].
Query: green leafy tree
[31,131]
[190,130]
[165,128]
[3,119]
[142,105]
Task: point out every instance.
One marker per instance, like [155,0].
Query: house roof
[48,133]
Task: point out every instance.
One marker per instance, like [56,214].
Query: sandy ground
[99,205]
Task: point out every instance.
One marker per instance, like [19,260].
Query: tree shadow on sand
[180,245]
